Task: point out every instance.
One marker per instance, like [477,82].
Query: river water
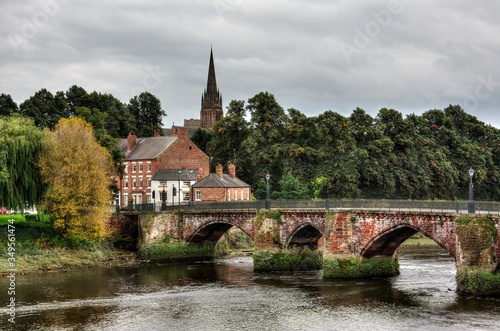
[227,295]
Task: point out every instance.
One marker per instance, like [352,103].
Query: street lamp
[472,204]
[268,202]
[163,197]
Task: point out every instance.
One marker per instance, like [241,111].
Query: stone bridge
[353,243]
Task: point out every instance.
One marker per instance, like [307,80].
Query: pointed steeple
[211,100]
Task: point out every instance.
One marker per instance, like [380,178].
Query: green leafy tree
[20,180]
[7,105]
[229,136]
[300,145]
[337,157]
[146,110]
[264,144]
[201,138]
[45,108]
[292,188]
[77,171]
[374,157]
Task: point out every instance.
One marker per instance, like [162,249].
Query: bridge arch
[386,243]
[213,231]
[305,235]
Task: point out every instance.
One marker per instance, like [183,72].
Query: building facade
[145,156]
[220,187]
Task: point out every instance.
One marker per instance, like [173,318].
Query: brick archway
[213,231]
[386,242]
[305,234]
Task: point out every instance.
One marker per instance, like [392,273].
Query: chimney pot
[218,170]
[131,140]
[232,170]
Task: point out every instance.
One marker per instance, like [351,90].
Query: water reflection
[228,295]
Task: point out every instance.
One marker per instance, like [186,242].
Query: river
[226,294]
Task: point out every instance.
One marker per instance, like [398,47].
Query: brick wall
[211,193]
[183,153]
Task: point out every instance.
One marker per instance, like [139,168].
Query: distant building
[220,187]
[211,99]
[145,156]
[211,105]
[176,183]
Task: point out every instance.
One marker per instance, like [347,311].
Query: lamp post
[163,197]
[268,201]
[472,203]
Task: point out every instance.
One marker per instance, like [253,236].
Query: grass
[419,242]
[57,258]
[18,218]
[38,248]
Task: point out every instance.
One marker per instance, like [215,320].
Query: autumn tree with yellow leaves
[78,173]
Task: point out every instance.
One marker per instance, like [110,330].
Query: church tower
[211,100]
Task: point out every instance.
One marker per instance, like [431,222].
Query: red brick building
[220,187]
[144,156]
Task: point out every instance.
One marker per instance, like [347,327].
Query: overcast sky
[312,55]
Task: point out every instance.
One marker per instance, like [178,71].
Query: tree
[264,143]
[147,112]
[201,138]
[20,180]
[45,108]
[292,188]
[7,105]
[77,171]
[229,134]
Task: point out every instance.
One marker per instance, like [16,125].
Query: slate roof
[213,180]
[147,148]
[175,174]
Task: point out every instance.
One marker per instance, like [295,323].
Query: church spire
[211,100]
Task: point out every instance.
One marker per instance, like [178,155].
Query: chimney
[131,140]
[231,168]
[218,170]
[199,174]
[156,133]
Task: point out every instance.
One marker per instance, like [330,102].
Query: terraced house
[145,156]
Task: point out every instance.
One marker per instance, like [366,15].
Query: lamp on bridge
[472,203]
[268,201]
[163,196]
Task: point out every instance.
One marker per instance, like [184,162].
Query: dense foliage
[78,172]
[387,156]
[20,144]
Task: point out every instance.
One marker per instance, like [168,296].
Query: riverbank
[66,259]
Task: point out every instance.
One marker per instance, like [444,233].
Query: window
[197,195]
[228,194]
[140,167]
[149,181]
[134,182]
[134,167]
[125,167]
[149,166]
[126,183]
[140,181]
[248,194]
[137,198]
[186,184]
[242,196]
[185,196]
[235,194]
[125,199]
[148,197]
